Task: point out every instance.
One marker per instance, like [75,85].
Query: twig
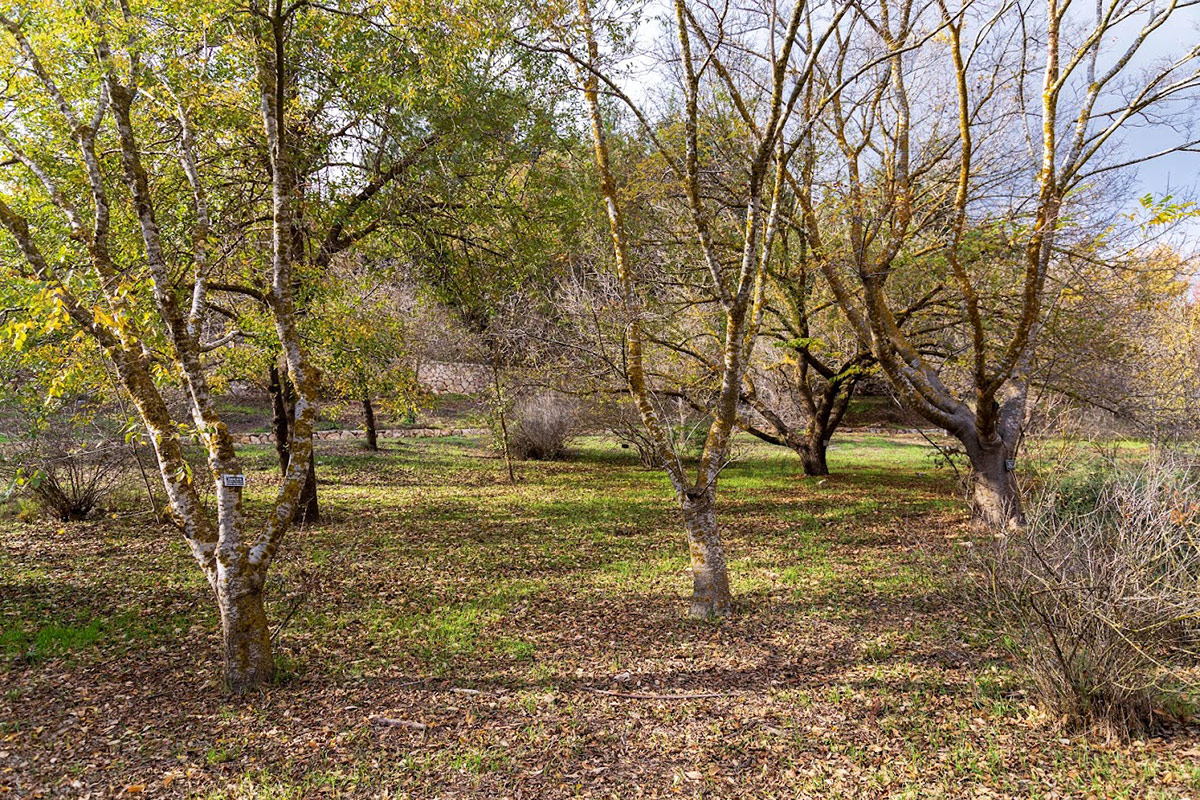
[646,696]
[391,722]
[300,598]
[945,453]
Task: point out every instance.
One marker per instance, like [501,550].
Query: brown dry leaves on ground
[455,636]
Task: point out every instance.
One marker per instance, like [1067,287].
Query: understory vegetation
[1099,596]
[445,633]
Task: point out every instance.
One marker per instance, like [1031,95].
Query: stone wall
[390,433]
[454,377]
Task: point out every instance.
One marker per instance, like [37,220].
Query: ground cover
[444,633]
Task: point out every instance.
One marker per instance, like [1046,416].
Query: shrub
[687,430]
[1098,597]
[543,425]
[67,479]
[625,425]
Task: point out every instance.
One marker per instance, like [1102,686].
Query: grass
[494,614]
[49,640]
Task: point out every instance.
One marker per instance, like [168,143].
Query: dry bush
[626,426]
[1099,596]
[686,428]
[68,479]
[543,425]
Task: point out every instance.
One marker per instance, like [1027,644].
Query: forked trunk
[369,424]
[249,664]
[824,412]
[995,496]
[710,576]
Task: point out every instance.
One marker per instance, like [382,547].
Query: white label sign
[233,480]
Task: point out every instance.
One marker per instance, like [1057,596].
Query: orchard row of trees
[747,210]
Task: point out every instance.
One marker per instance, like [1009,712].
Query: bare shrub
[1098,597]
[67,479]
[543,425]
[625,425]
[685,427]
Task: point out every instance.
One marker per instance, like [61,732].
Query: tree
[385,108]
[1004,212]
[738,286]
[115,253]
[1120,337]
[798,398]
[359,342]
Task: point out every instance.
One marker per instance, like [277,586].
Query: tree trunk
[995,496]
[308,510]
[369,424]
[283,420]
[279,417]
[710,576]
[249,664]
[812,454]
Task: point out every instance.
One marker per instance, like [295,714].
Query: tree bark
[249,664]
[308,510]
[279,418]
[283,419]
[711,596]
[369,424]
[812,454]
[995,496]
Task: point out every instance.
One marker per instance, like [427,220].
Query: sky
[1177,174]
